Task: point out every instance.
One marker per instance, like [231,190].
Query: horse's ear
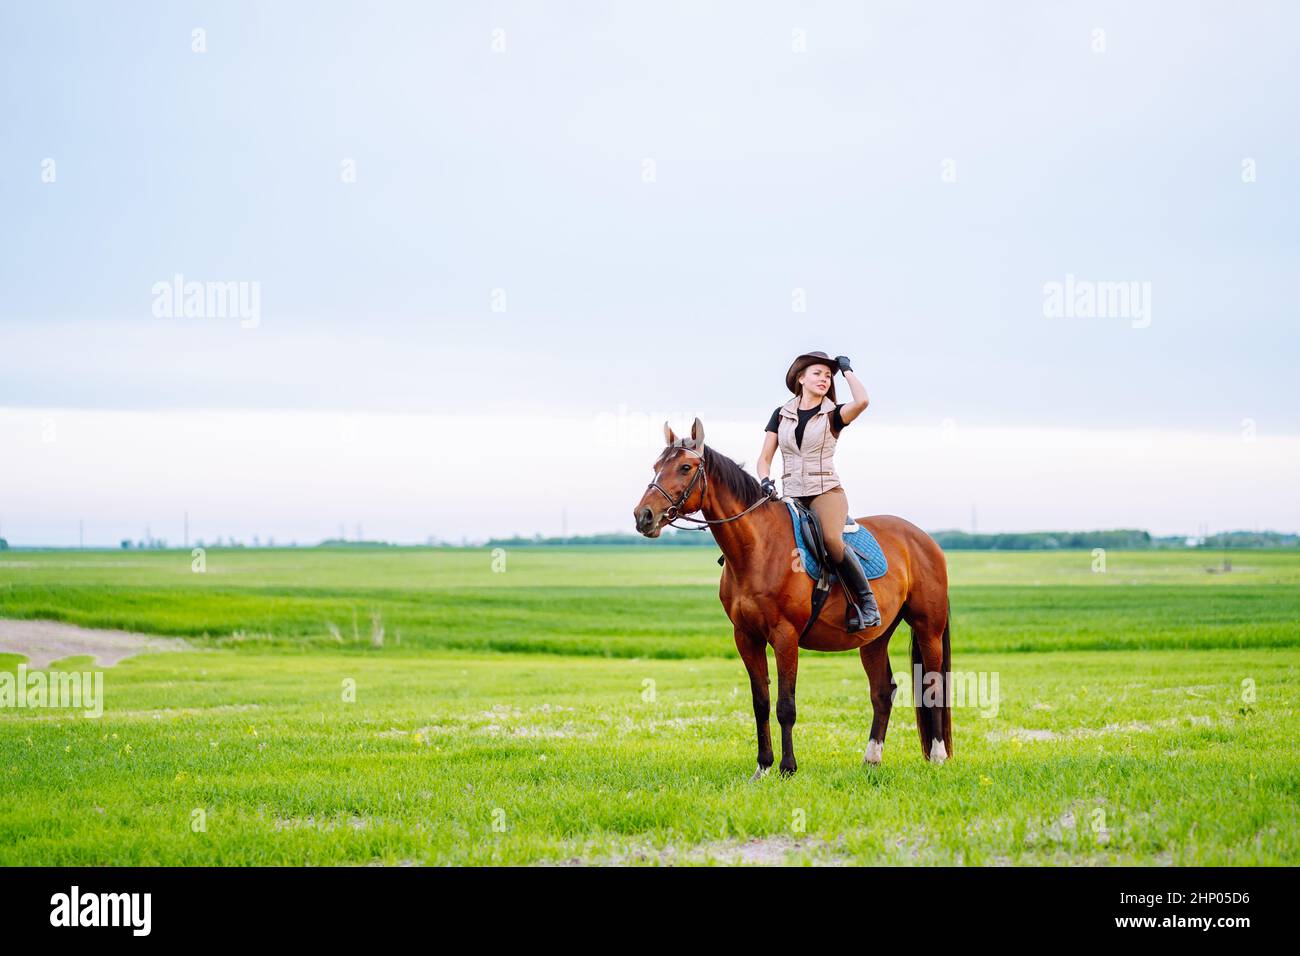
[669,437]
[697,434]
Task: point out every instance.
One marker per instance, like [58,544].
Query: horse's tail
[918,690]
[947,678]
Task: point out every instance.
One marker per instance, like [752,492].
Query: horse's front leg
[875,661]
[753,651]
[785,642]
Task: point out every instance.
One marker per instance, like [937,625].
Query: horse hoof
[875,753]
[759,774]
[938,752]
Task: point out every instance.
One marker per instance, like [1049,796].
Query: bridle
[674,506]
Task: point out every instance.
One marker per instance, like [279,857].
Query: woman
[806,429]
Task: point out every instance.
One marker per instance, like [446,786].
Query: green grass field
[589,706]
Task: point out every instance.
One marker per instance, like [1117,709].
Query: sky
[484,251]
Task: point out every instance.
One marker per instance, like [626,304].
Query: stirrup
[875,613]
[853,619]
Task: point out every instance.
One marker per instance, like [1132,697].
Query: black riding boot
[851,572]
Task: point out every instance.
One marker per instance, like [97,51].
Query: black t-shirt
[837,421]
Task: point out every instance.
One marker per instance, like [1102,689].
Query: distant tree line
[1118,539]
[1251,539]
[669,538]
[345,543]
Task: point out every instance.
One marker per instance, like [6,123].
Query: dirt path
[44,641]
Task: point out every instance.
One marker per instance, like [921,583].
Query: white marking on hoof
[759,774]
[875,751]
[938,752]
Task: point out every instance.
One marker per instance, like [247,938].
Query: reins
[674,513]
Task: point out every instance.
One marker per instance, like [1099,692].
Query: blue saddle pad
[862,541]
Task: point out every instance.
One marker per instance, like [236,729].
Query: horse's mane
[733,476]
[726,472]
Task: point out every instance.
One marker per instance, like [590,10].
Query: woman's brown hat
[802,362]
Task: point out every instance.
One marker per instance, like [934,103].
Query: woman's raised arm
[853,409]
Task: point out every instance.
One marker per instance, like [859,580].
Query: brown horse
[768,596]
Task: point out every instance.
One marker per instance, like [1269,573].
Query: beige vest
[810,467]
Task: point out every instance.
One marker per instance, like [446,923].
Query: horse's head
[678,485]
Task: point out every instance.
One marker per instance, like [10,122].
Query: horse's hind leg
[875,661]
[753,651]
[931,687]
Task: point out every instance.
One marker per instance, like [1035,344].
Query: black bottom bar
[927,906]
